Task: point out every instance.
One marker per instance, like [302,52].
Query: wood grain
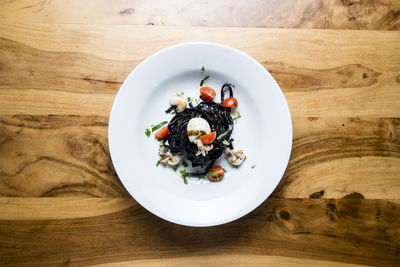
[69,157]
[320,14]
[229,260]
[352,231]
[61,64]
[79,72]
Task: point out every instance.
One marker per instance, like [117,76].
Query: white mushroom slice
[168,157]
[236,158]
[179,102]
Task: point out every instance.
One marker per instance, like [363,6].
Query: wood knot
[128,11]
[378,214]
[90,150]
[354,195]
[331,207]
[318,194]
[312,118]
[284,215]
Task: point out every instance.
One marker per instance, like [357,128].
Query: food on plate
[199,134]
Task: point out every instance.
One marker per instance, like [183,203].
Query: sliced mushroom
[236,158]
[168,157]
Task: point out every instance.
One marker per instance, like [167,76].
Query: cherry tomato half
[230,102]
[163,132]
[208,138]
[207,93]
[216,173]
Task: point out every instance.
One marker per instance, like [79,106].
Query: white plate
[264,132]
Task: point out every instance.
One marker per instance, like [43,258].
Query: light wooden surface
[61,64]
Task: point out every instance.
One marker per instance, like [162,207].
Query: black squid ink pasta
[219,119]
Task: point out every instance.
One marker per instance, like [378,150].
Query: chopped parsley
[158,162]
[203,69]
[147,132]
[226,143]
[211,174]
[196,100]
[177,109]
[161,142]
[158,126]
[204,79]
[182,93]
[184,164]
[184,175]
[237,116]
[201,177]
[203,132]
[189,99]
[222,135]
[175,167]
[253,166]
[224,170]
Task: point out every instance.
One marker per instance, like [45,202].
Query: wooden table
[62,62]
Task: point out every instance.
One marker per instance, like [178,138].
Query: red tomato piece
[208,138]
[163,132]
[207,93]
[230,102]
[216,173]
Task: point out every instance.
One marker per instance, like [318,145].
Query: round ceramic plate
[264,133]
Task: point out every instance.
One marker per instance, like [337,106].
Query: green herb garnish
[158,126]
[226,143]
[237,116]
[253,166]
[201,177]
[158,162]
[147,132]
[196,100]
[175,167]
[203,69]
[184,164]
[224,170]
[204,79]
[203,132]
[161,142]
[211,174]
[189,99]
[177,109]
[223,134]
[184,175]
[182,93]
